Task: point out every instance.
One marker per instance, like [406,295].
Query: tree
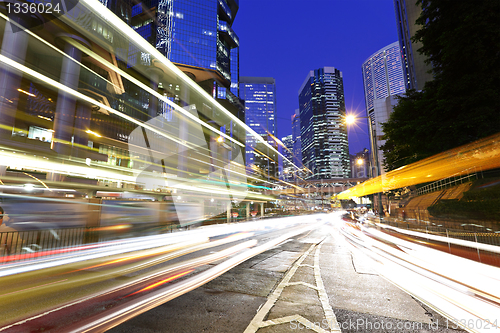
[461,40]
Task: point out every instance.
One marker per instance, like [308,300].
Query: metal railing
[463,233]
[447,182]
[25,245]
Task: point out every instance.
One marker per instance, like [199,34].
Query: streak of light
[35,287]
[38,254]
[159,283]
[113,227]
[81,96]
[97,7]
[119,314]
[55,49]
[93,133]
[100,250]
[45,118]
[151,91]
[38,180]
[25,92]
[85,171]
[482,154]
[456,287]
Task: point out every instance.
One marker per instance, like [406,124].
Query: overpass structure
[324,186]
[311,193]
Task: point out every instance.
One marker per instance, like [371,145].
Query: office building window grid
[260,108]
[322,128]
[383,74]
[194,32]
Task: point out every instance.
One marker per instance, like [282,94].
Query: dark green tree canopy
[461,40]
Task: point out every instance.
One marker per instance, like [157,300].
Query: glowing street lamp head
[350,119]
[359,161]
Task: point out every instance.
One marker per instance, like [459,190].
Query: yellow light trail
[483,154]
[154,285]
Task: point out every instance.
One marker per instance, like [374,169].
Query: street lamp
[351,119]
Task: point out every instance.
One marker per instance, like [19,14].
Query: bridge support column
[262,209]
[248,210]
[229,216]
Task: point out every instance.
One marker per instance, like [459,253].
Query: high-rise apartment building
[414,66]
[259,94]
[325,150]
[383,77]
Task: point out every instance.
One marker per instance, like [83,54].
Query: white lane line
[330,316]
[294,323]
[258,321]
[308,285]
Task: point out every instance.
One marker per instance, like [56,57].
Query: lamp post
[375,172]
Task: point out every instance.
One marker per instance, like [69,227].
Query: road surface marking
[258,321]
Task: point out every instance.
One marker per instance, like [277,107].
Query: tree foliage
[461,40]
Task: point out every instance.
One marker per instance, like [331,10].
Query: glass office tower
[325,150]
[259,94]
[287,151]
[197,36]
[297,143]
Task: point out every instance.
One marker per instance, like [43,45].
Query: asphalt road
[312,282]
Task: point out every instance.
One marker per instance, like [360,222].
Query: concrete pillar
[248,210]
[82,123]
[183,135]
[66,103]
[229,216]
[214,147]
[182,150]
[155,75]
[14,46]
[262,209]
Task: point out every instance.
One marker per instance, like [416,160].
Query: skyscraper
[297,144]
[259,94]
[325,150]
[382,78]
[414,66]
[197,36]
[287,151]
[383,74]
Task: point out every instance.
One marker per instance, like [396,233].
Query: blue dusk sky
[285,39]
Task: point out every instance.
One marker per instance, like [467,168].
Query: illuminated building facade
[383,74]
[287,151]
[197,36]
[383,77]
[259,94]
[323,131]
[297,146]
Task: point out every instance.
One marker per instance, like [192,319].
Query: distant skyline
[285,39]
